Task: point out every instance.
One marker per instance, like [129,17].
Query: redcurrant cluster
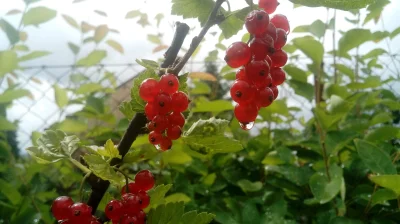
[164,108]
[260,62]
[68,212]
[130,208]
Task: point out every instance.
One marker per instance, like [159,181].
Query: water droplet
[158,147]
[247,126]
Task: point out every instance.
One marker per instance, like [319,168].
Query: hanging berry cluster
[164,108]
[67,212]
[260,62]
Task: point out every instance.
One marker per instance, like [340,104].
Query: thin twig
[335,74]
[126,178]
[81,186]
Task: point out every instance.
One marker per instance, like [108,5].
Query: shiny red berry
[264,83]
[272,31]
[174,132]
[114,209]
[155,137]
[281,39]
[145,199]
[169,83]
[160,123]
[133,188]
[141,216]
[281,21]
[242,92]
[256,22]
[279,59]
[268,5]
[261,47]
[180,101]
[238,54]
[257,71]
[150,111]
[241,75]
[269,60]
[80,213]
[131,203]
[246,113]
[129,220]
[275,91]
[60,207]
[176,119]
[162,103]
[145,180]
[264,97]
[149,89]
[150,126]
[278,76]
[166,144]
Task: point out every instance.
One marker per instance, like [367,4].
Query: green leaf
[337,4]
[34,55]
[336,140]
[12,94]
[77,78]
[391,182]
[101,13]
[53,146]
[378,36]
[115,45]
[74,48]
[176,156]
[93,58]
[194,218]
[203,105]
[88,88]
[8,62]
[352,39]
[231,26]
[250,214]
[177,197]
[383,133]
[369,82]
[323,189]
[302,88]
[61,96]
[395,33]
[72,126]
[11,32]
[6,125]
[199,9]
[133,14]
[157,195]
[9,191]
[155,39]
[20,47]
[380,118]
[311,48]
[200,88]
[183,82]
[346,71]
[38,15]
[109,150]
[381,196]
[377,160]
[137,103]
[100,33]
[374,53]
[170,213]
[296,73]
[71,21]
[248,186]
[102,169]
[126,109]
[326,120]
[149,64]
[13,12]
[207,137]
[317,28]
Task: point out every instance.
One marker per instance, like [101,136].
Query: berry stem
[81,186]
[213,19]
[126,178]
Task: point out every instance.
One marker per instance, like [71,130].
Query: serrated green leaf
[126,109]
[337,4]
[323,189]
[12,94]
[326,120]
[231,26]
[170,213]
[93,58]
[177,197]
[381,196]
[194,218]
[183,82]
[199,9]
[250,213]
[8,62]
[391,182]
[11,32]
[88,88]
[72,126]
[101,168]
[311,48]
[352,39]
[115,45]
[377,160]
[302,88]
[248,186]
[38,15]
[336,140]
[61,96]
[149,64]
[137,103]
[109,150]
[296,73]
[157,195]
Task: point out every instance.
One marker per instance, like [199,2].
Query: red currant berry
[169,83]
[150,111]
[60,207]
[241,75]
[150,126]
[174,132]
[166,144]
[155,137]
[268,5]
[278,76]
[145,180]
[180,101]
[238,54]
[149,89]
[176,119]
[129,220]
[145,199]
[261,47]
[242,92]
[131,202]
[246,113]
[264,83]
[94,220]
[257,71]
[133,188]
[264,97]
[275,91]
[279,59]
[257,22]
[114,209]
[281,39]
[281,21]
[141,216]
[162,103]
[160,123]
[80,213]
[269,61]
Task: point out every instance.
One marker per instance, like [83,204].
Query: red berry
[238,54]
[267,82]
[133,188]
[129,220]
[94,220]
[257,22]
[114,209]
[180,101]
[169,83]
[160,123]
[242,92]
[174,132]
[150,126]
[145,180]
[241,75]
[155,137]
[279,59]
[149,89]
[176,119]
[150,111]
[60,207]
[246,113]
[80,213]
[264,97]
[145,199]
[268,5]
[141,216]
[281,39]
[278,76]
[131,203]
[162,103]
[257,71]
[261,47]
[165,144]
[275,91]
[269,61]
[281,21]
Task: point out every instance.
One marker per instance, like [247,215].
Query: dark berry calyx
[238,94]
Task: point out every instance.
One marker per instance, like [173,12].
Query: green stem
[80,166]
[126,178]
[81,186]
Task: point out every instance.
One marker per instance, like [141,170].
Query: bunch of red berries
[261,62]
[164,108]
[67,212]
[130,208]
